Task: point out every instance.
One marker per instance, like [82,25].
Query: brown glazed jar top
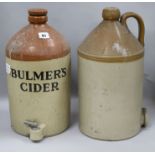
[112,41]
[37,16]
[29,45]
[111,13]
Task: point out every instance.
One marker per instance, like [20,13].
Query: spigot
[35,130]
[144,118]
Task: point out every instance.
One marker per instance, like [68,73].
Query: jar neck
[38,19]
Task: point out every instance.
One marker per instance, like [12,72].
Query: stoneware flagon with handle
[110,74]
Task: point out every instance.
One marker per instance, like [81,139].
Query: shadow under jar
[38,75]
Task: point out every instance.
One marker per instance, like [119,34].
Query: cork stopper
[111,13]
[37,16]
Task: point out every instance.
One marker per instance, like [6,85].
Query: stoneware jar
[110,66]
[38,75]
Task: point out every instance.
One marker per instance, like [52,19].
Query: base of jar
[109,139]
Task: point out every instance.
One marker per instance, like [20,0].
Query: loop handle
[141,27]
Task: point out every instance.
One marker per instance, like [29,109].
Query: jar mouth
[37,16]
[112,8]
[111,13]
[37,12]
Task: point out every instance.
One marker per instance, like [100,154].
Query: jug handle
[141,27]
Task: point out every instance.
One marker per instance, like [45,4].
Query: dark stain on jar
[100,105]
[105,92]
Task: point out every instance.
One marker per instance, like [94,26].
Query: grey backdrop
[75,21]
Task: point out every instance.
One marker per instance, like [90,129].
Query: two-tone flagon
[38,73]
[111,78]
